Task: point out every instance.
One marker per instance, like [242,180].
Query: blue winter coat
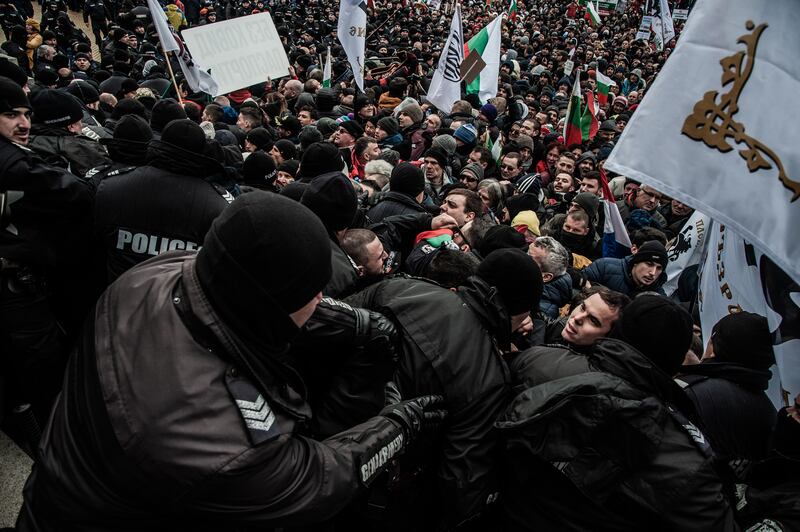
[555,295]
[616,275]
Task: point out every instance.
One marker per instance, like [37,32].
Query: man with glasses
[645,198]
[511,167]
[471,175]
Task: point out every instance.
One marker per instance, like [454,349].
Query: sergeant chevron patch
[256,413]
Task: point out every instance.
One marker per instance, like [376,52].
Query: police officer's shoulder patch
[222,191]
[258,417]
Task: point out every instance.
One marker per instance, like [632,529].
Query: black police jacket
[46,219]
[605,441]
[449,346]
[163,206]
[76,153]
[156,429]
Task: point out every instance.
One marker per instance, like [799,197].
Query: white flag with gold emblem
[715,129]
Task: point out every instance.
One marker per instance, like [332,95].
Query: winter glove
[415,415]
[337,323]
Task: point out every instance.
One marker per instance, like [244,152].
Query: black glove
[415,415]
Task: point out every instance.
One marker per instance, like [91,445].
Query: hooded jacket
[737,414]
[140,441]
[163,206]
[450,345]
[605,441]
[616,275]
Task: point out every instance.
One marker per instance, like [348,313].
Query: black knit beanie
[164,112]
[12,95]
[521,202]
[261,138]
[185,134]
[129,106]
[13,72]
[295,190]
[353,128]
[517,278]
[286,148]
[290,167]
[651,251]
[320,158]
[390,125]
[55,108]
[501,237]
[129,144]
[84,91]
[407,179]
[659,328]
[259,170]
[332,198]
[743,338]
[263,258]
[438,154]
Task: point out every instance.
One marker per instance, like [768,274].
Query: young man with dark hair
[463,205]
[249,118]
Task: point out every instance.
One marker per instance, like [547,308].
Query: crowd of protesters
[311,307]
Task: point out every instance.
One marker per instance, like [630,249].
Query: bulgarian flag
[589,123]
[495,148]
[326,71]
[603,84]
[573,127]
[591,12]
[512,11]
[486,43]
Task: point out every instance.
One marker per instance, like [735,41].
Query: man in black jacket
[56,133]
[406,189]
[181,409]
[728,389]
[451,345]
[606,440]
[333,199]
[163,206]
[46,224]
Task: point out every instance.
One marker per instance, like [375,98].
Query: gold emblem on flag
[712,123]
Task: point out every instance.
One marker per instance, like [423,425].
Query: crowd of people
[303,306]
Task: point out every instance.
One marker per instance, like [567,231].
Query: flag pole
[172,75]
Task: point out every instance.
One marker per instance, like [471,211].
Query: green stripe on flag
[478,42]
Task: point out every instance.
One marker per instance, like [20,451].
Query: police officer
[127,149]
[57,133]
[44,219]
[162,206]
[182,411]
[97,11]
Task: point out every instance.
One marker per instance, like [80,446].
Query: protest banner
[737,276]
[687,249]
[680,14]
[239,52]
[644,28]
[606,7]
